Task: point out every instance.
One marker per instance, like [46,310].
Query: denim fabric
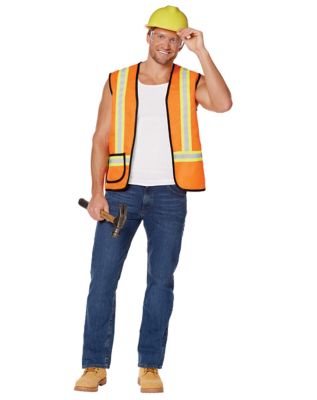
[163,211]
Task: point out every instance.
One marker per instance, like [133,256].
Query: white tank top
[152,162]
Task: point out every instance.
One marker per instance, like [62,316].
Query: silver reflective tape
[118,160]
[185,116]
[187,155]
[120,111]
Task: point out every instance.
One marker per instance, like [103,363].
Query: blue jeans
[163,210]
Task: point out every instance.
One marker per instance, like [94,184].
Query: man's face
[164,45]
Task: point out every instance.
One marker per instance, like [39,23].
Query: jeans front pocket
[177,190]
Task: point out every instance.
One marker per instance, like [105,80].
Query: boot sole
[88,389]
[150,390]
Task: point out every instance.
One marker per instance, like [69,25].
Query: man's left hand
[192,38]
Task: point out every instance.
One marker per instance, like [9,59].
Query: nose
[167,46]
[166,43]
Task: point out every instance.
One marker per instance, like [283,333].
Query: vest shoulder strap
[113,75]
[194,74]
[112,78]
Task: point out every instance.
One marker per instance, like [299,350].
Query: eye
[161,36]
[173,40]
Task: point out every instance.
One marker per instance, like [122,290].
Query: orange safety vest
[182,120]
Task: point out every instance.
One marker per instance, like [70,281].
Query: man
[146,153]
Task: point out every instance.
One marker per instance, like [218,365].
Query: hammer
[118,221]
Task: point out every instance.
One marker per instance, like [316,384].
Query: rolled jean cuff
[89,364]
[142,365]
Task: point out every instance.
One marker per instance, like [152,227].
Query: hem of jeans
[96,365]
[146,365]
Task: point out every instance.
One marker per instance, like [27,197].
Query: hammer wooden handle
[84,203]
[107,216]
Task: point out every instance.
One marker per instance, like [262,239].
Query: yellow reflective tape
[123,114]
[122,81]
[117,113]
[188,156]
[188,159]
[181,105]
[187,152]
[185,109]
[117,161]
[189,119]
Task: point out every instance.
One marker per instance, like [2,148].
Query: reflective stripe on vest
[120,116]
[118,161]
[186,154]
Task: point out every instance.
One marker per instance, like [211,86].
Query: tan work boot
[91,379]
[150,380]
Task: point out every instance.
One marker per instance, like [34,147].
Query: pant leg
[108,256]
[164,223]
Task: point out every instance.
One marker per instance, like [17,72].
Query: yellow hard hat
[168,17]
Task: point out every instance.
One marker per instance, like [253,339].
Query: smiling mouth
[164,52]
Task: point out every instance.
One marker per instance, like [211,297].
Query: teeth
[163,52]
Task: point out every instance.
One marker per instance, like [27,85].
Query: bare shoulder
[201,94]
[202,81]
[106,93]
[104,112]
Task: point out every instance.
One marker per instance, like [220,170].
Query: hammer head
[119,221]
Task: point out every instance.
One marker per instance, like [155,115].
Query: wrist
[202,52]
[97,192]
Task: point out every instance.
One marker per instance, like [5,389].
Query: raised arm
[212,92]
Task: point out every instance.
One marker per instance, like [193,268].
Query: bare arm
[211,92]
[99,155]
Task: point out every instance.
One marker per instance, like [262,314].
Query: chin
[161,60]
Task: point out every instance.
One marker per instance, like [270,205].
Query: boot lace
[91,369]
[153,370]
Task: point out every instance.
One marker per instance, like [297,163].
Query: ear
[148,34]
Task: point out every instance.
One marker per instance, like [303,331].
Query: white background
[244,319]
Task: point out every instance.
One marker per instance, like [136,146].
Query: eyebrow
[163,33]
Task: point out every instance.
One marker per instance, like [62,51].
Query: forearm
[218,92]
[99,166]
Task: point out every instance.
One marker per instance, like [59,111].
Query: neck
[155,70]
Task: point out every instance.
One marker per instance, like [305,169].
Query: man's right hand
[97,203]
